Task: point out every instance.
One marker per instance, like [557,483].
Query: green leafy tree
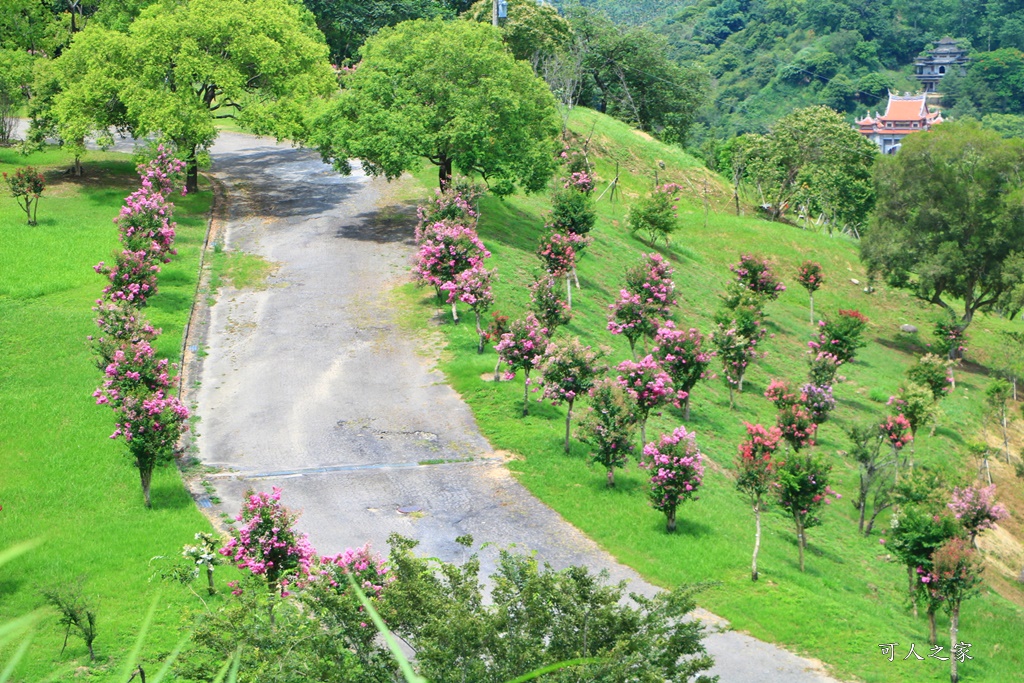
[15,82]
[180,68]
[532,31]
[802,491]
[346,24]
[814,158]
[997,395]
[448,92]
[949,217]
[535,617]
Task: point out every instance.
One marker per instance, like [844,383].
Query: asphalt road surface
[310,385]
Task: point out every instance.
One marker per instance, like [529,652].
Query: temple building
[930,68]
[905,114]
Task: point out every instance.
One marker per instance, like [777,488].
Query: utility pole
[494,12]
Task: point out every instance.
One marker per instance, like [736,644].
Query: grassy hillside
[852,596]
[64,481]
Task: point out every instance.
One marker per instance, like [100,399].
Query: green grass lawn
[851,598]
[63,479]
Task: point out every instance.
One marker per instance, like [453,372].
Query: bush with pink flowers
[677,472]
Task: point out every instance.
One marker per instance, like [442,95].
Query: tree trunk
[732,400]
[862,505]
[643,434]
[670,520]
[812,309]
[933,638]
[568,417]
[686,408]
[568,289]
[526,393]
[191,171]
[497,367]
[444,171]
[739,385]
[954,624]
[1006,440]
[757,539]
[209,580]
[455,313]
[800,540]
[146,477]
[479,334]
[913,587]
[611,477]
[575,277]
[78,166]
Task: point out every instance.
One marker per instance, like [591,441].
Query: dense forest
[768,57]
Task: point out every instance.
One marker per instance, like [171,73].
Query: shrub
[455,204]
[572,210]
[756,276]
[818,400]
[608,426]
[656,214]
[75,611]
[842,335]
[447,249]
[755,475]
[802,490]
[932,372]
[26,186]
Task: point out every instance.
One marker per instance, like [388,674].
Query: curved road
[311,385]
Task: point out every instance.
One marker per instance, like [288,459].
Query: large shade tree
[949,222]
[181,67]
[448,92]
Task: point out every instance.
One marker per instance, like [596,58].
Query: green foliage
[843,334]
[532,31]
[814,161]
[346,24]
[537,616]
[448,92]
[76,612]
[655,215]
[178,70]
[949,213]
[803,489]
[572,212]
[15,82]
[609,426]
[932,372]
[916,402]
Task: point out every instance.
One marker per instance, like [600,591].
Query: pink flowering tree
[455,204]
[133,369]
[447,249]
[548,305]
[568,370]
[26,186]
[823,366]
[818,400]
[646,302]
[802,489]
[955,577]
[755,274]
[266,543]
[132,277]
[793,419]
[609,426]
[976,509]
[558,253]
[151,425]
[842,334]
[521,348]
[648,385]
[677,472]
[473,287]
[755,475]
[683,355]
[811,277]
[121,324]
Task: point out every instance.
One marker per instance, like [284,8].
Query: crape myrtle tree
[683,356]
[521,348]
[448,92]
[677,472]
[950,217]
[648,385]
[811,278]
[802,489]
[568,370]
[180,68]
[755,475]
[955,576]
[609,426]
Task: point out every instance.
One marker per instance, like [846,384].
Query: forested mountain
[768,57]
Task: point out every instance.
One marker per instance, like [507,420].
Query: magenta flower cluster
[456,204]
[369,569]
[810,275]
[676,468]
[559,252]
[682,357]
[646,302]
[647,383]
[523,346]
[446,251]
[896,430]
[976,508]
[267,544]
[580,181]
[755,274]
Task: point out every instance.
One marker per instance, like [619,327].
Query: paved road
[309,385]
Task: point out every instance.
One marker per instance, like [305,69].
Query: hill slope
[852,596]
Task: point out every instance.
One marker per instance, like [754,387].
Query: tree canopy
[814,159]
[178,69]
[531,31]
[449,92]
[949,221]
